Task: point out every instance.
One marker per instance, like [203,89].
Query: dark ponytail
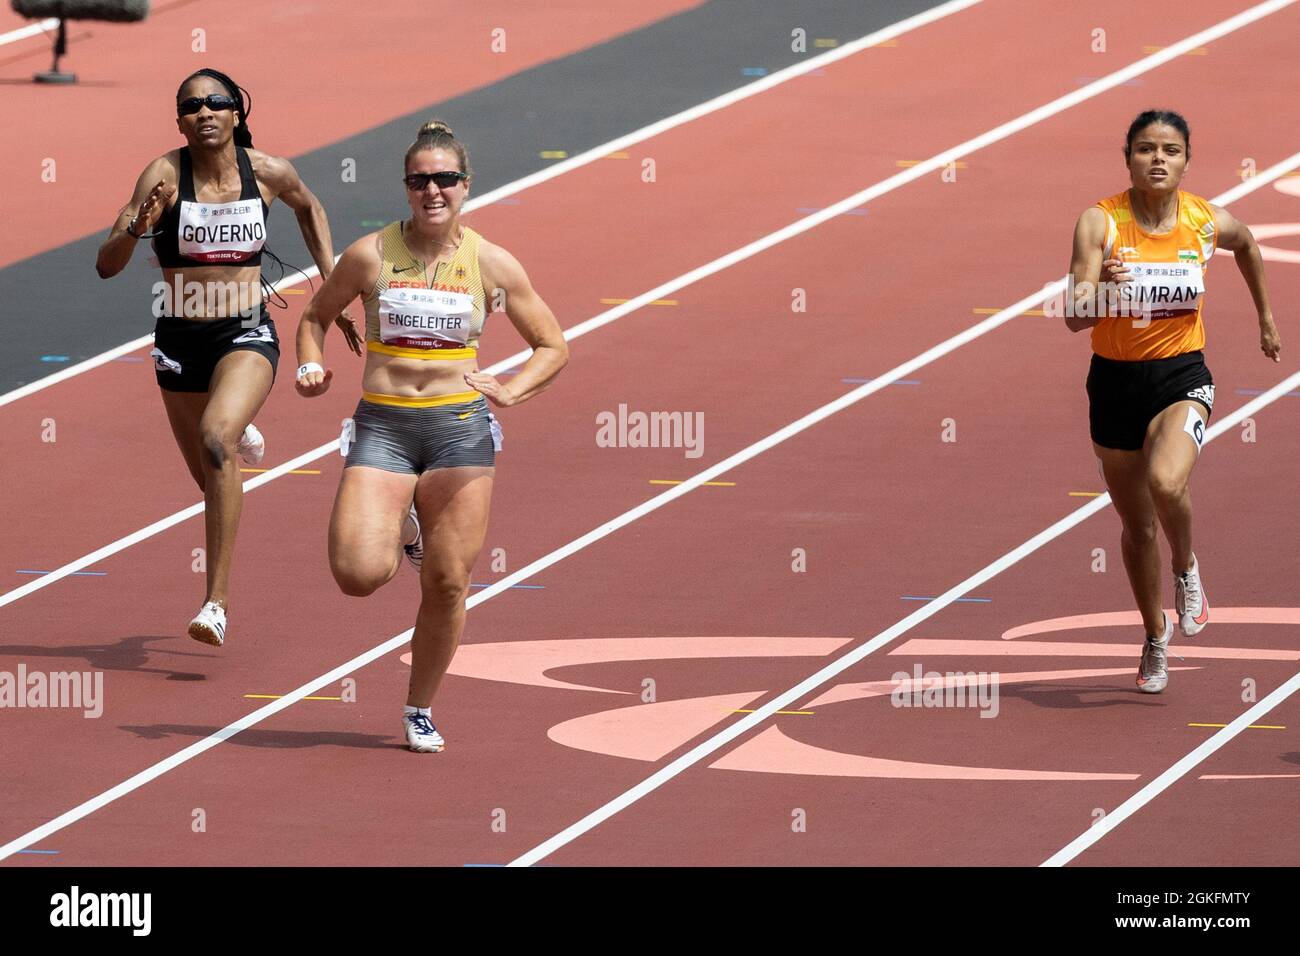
[243,100]
[1164,118]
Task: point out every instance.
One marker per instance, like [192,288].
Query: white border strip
[1179,770]
[31,30]
[574,162]
[802,689]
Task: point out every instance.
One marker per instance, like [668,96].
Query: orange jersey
[1163,303]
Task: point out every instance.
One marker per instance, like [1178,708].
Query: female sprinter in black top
[216,347]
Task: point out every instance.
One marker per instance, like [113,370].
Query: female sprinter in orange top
[422,447]
[1150,394]
[216,348]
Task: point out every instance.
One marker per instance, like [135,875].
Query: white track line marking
[257,716]
[802,689]
[31,30]
[582,159]
[745,252]
[1161,783]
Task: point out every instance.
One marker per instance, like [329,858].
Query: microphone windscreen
[120,11]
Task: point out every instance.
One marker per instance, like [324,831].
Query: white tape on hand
[307,367]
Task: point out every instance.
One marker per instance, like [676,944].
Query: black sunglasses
[213,101]
[418,182]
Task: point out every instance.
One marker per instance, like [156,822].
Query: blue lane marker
[55,358]
[41,852]
[753,71]
[863,381]
[908,597]
[526,587]
[1260,391]
[95,574]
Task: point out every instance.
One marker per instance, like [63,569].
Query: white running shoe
[252,446]
[421,736]
[209,625]
[1189,601]
[415,550]
[1153,669]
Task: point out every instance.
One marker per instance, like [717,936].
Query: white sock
[407,710]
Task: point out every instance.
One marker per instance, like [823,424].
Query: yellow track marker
[887,43]
[716,484]
[1251,727]
[621,301]
[1199,51]
[807,713]
[825,43]
[301,471]
[278,696]
[554,154]
[905,163]
[292,291]
[619,154]
[1085,494]
[996,311]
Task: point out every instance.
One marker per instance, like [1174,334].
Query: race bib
[221,232]
[1162,290]
[417,318]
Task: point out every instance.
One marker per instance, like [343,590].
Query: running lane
[670,590]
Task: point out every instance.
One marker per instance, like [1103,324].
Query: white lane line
[732,258]
[1163,782]
[802,689]
[582,159]
[31,30]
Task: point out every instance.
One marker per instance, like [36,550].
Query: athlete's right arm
[353,276]
[1085,269]
[153,190]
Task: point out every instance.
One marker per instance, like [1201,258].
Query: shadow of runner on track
[272,739]
[128,654]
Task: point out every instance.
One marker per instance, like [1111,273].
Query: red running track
[883,508]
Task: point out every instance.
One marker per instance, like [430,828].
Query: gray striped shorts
[411,441]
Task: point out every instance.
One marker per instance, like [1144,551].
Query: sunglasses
[418,182]
[213,101]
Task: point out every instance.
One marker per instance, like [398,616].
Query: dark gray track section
[573,103]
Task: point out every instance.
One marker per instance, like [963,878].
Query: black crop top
[192,233]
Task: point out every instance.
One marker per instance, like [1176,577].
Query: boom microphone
[116,11]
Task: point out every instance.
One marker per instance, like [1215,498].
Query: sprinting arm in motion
[1237,239]
[535,323]
[1085,270]
[153,190]
[280,175]
[354,273]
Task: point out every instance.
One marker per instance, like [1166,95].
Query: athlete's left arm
[503,276]
[287,185]
[1234,236]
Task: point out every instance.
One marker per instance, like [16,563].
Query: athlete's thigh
[240,384]
[1173,442]
[184,412]
[366,524]
[1126,479]
[453,504]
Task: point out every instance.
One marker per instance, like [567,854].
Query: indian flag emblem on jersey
[1188,255]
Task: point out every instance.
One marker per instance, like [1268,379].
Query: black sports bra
[192,233]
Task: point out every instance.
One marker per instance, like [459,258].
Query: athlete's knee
[1167,484]
[219,442]
[1142,533]
[360,580]
[443,589]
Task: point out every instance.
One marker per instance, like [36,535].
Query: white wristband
[308,367]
